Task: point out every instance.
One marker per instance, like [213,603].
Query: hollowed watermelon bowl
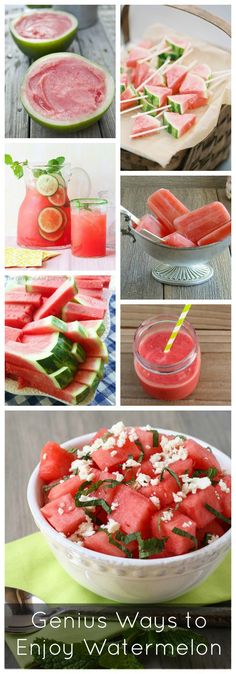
[35,47]
[129,580]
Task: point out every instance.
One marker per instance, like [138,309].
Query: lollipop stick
[146,133]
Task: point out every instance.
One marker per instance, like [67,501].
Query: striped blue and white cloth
[106,391]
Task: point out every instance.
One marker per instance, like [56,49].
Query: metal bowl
[178,266]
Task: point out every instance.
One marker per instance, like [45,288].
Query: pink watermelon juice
[88,227]
[167,376]
[44,215]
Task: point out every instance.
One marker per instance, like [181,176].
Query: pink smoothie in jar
[172,375]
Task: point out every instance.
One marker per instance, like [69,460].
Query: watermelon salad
[54,335]
[206,225]
[155,81]
[136,493]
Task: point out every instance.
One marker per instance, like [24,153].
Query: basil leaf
[87,487]
[140,446]
[48,487]
[155,435]
[185,534]
[147,546]
[217,513]
[210,472]
[172,472]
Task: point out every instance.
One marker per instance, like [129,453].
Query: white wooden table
[66,261]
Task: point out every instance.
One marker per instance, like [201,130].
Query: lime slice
[47,185]
[59,198]
[59,178]
[50,219]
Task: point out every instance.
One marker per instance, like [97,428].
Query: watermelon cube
[176,544]
[69,486]
[55,462]
[163,491]
[144,123]
[104,492]
[194,506]
[63,515]
[214,528]
[223,490]
[108,458]
[99,542]
[202,457]
[134,511]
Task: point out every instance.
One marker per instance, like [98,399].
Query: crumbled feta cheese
[60,511]
[84,468]
[154,481]
[168,445]
[147,446]
[192,484]
[86,529]
[114,505]
[86,498]
[116,429]
[211,538]
[167,516]
[156,501]
[112,526]
[223,487]
[109,443]
[121,439]
[89,449]
[85,451]
[186,525]
[114,452]
[177,498]
[143,479]
[44,456]
[118,476]
[155,458]
[132,435]
[130,463]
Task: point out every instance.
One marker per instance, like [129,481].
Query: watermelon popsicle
[152,225]
[167,207]
[215,236]
[200,222]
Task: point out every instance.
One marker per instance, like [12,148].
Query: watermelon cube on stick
[129,96]
[183,102]
[157,96]
[135,55]
[144,123]
[174,77]
[193,84]
[178,47]
[57,300]
[178,125]
[202,70]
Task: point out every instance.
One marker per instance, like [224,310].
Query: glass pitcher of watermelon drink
[44,218]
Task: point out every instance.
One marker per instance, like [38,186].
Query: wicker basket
[204,156]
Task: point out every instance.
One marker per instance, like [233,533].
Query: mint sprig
[53,166]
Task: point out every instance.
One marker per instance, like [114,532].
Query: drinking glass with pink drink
[88,227]
[171,375]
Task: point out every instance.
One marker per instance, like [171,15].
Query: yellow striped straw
[177,327]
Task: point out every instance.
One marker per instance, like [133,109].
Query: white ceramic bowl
[129,580]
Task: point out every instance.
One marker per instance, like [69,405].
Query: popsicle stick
[157,71]
[179,60]
[214,86]
[150,235]
[127,100]
[135,107]
[219,77]
[155,53]
[146,133]
[221,72]
[159,110]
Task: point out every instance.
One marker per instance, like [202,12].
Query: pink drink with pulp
[44,215]
[88,227]
[172,375]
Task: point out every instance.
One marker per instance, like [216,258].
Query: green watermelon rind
[170,128]
[176,48]
[70,125]
[78,352]
[176,107]
[62,377]
[38,48]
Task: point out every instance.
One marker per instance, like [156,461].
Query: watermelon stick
[157,71]
[159,110]
[146,133]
